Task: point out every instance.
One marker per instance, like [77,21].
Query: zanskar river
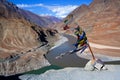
[72,60]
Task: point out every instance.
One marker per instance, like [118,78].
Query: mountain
[54,20]
[101,21]
[43,21]
[22,42]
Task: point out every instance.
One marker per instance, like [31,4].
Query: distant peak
[84,5]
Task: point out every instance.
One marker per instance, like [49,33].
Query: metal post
[91,52]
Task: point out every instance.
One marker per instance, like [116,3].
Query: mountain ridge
[43,21]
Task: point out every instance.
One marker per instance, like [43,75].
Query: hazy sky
[58,8]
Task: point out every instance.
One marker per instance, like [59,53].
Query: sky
[57,8]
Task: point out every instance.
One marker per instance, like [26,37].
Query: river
[68,60]
[72,60]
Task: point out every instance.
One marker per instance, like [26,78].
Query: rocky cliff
[101,21]
[22,43]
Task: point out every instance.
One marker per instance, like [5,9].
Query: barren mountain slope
[100,20]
